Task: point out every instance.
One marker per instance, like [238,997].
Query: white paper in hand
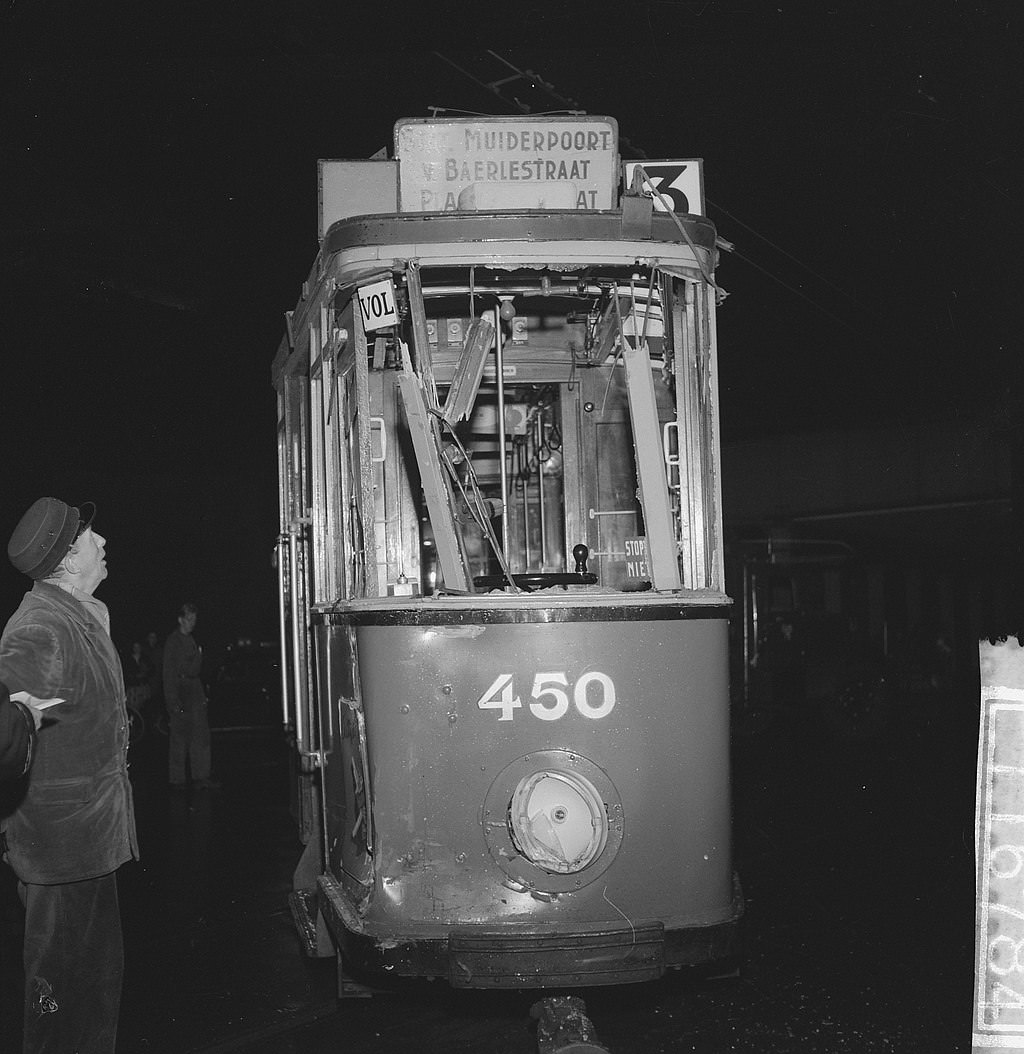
[31,700]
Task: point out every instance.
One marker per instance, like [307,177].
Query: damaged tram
[502,608]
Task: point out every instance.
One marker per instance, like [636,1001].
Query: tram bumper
[510,957]
[482,959]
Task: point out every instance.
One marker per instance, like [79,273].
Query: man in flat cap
[74,823]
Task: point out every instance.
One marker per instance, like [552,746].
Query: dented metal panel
[439,738]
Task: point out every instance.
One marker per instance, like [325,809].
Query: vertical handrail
[282,627]
[540,491]
[747,617]
[300,717]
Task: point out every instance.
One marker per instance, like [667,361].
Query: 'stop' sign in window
[507,163]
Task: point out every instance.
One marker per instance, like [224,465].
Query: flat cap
[45,534]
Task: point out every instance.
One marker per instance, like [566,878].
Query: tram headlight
[557,821]
[553,821]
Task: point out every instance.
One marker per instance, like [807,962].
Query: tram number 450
[593,695]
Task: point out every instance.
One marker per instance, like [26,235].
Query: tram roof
[360,248]
[358,244]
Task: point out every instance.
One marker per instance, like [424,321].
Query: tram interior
[553,443]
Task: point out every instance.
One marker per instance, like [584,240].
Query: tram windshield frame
[434,472]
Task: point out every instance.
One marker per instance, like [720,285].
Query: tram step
[303,905]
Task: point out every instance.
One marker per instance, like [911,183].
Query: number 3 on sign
[593,696]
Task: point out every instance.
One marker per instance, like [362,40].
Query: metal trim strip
[438,616]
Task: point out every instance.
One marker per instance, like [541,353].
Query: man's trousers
[74,966]
[189,739]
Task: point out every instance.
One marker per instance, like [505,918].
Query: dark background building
[160,205]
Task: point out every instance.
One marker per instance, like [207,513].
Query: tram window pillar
[573,490]
[690,314]
[336,477]
[318,388]
[343,516]
[396,513]
[654,496]
[330,374]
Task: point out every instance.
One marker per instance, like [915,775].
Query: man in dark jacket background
[73,823]
[185,698]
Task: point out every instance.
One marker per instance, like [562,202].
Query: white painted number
[605,701]
[593,695]
[505,703]
[560,705]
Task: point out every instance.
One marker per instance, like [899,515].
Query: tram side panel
[635,711]
[348,836]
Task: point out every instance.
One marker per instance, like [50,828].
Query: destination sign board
[999,843]
[492,164]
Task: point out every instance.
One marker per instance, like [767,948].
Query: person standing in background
[137,674]
[154,654]
[185,699]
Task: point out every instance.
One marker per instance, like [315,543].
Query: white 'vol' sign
[377,305]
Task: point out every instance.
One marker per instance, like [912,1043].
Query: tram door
[571,478]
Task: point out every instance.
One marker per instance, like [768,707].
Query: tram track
[246,1039]
[553,1025]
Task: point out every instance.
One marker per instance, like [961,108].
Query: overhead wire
[794,290]
[779,249]
[573,106]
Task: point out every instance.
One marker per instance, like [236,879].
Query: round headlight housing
[557,821]
[553,821]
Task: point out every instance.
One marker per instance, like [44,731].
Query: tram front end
[502,607]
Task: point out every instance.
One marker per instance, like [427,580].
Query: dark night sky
[159,215]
